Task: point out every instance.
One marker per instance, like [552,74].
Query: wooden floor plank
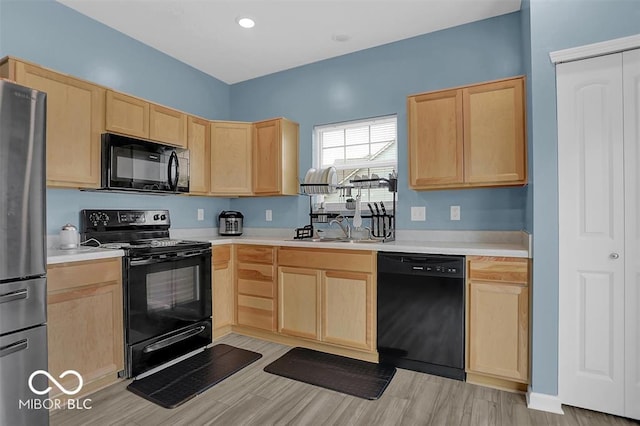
[254,397]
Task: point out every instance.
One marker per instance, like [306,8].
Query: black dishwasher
[421,312]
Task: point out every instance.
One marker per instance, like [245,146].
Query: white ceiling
[288,33]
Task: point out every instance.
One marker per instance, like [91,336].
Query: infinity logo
[50,377]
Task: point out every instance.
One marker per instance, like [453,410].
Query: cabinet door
[85,322]
[498,329]
[289,140]
[199,155]
[494,141]
[435,139]
[267,166]
[299,302]
[223,301]
[347,309]
[75,111]
[127,115]
[167,125]
[231,158]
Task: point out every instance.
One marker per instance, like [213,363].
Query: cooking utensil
[384,211]
[371,209]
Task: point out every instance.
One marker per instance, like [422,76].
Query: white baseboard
[544,402]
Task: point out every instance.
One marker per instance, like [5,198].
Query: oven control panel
[119,218]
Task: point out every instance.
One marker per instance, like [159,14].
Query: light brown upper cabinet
[127,115]
[275,157]
[75,119]
[136,117]
[167,125]
[231,158]
[198,142]
[472,136]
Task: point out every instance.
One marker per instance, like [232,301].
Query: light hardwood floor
[253,397]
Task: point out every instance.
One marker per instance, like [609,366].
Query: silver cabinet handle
[614,256]
[14,295]
[14,347]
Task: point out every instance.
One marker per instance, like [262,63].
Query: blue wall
[376,82]
[53,35]
[555,25]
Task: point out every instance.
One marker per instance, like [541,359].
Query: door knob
[614,256]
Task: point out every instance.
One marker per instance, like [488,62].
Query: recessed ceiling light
[245,22]
[341,37]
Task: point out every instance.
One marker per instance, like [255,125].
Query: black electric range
[167,285]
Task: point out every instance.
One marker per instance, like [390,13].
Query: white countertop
[480,246]
[83,253]
[505,249]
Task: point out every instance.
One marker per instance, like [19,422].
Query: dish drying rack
[382,225]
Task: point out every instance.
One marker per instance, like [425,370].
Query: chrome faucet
[346,229]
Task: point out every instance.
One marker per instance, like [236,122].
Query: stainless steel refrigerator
[23,295]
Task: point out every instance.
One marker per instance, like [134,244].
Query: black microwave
[138,165]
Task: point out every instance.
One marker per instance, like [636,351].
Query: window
[357,148]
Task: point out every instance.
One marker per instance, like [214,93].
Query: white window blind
[356,149]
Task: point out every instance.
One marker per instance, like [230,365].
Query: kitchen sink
[321,240]
[338,240]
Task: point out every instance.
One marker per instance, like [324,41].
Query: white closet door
[631,67]
[591,234]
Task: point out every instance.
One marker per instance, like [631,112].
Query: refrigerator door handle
[14,347]
[14,295]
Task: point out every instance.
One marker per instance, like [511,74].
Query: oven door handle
[173,339]
[161,259]
[193,253]
[152,260]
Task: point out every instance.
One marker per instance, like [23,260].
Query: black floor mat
[177,384]
[351,376]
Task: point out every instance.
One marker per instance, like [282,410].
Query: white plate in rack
[332,180]
[308,177]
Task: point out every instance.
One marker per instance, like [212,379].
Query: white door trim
[544,402]
[595,49]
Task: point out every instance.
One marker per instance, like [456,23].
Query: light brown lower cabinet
[85,323]
[299,302]
[498,318]
[256,287]
[324,304]
[223,296]
[347,309]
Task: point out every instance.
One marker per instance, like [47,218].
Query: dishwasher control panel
[419,264]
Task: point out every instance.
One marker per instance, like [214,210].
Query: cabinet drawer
[256,254]
[256,312]
[504,269]
[255,272]
[77,274]
[256,288]
[337,260]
